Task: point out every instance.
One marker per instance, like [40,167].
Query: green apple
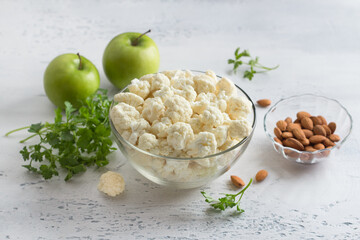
[130,55]
[70,77]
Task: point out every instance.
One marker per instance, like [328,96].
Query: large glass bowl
[184,173]
[331,109]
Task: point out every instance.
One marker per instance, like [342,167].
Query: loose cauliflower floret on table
[153,109]
[204,144]
[238,107]
[212,117]
[179,135]
[140,88]
[160,80]
[178,109]
[111,183]
[123,115]
[129,98]
[204,84]
[239,129]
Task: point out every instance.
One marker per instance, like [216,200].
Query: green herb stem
[16,130]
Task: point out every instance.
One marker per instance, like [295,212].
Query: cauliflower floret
[160,80]
[238,107]
[204,83]
[123,115]
[203,100]
[228,144]
[221,134]
[153,109]
[138,128]
[179,135]
[159,127]
[220,104]
[164,93]
[178,109]
[164,148]
[128,136]
[186,92]
[175,167]
[129,98]
[204,144]
[225,85]
[148,142]
[140,88]
[111,183]
[212,116]
[227,119]
[195,123]
[239,129]
[148,77]
[212,75]
[175,75]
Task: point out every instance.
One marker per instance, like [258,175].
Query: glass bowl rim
[118,135]
[310,95]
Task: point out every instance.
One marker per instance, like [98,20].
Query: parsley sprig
[229,201]
[253,63]
[74,142]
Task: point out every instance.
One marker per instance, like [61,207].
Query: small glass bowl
[331,109]
[183,173]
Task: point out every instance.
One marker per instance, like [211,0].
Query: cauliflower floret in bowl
[185,128]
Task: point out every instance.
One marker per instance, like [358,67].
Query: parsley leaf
[228,201]
[253,63]
[80,141]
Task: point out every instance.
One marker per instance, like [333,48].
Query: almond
[328,143]
[308,133]
[264,102]
[332,126]
[238,182]
[305,142]
[291,126]
[277,133]
[301,115]
[261,175]
[297,120]
[278,140]
[281,125]
[319,130]
[334,137]
[310,149]
[316,120]
[287,135]
[307,123]
[293,143]
[317,139]
[327,129]
[323,120]
[319,146]
[299,134]
[288,120]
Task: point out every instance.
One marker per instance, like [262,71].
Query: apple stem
[80,62]
[135,42]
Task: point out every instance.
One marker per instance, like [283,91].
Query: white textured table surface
[316,43]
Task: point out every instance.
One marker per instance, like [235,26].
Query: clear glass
[331,109]
[184,173]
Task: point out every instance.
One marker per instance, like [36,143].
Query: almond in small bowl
[319,127]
